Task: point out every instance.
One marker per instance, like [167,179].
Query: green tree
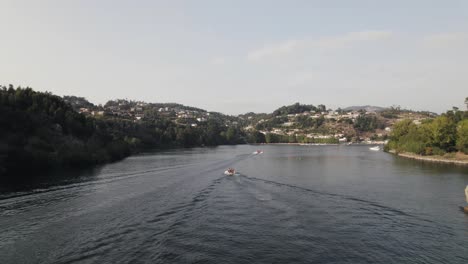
[462,136]
[401,128]
[292,139]
[443,133]
[366,123]
[231,135]
[256,137]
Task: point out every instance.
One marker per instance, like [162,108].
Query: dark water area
[292,204]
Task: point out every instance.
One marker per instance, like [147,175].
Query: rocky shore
[458,159]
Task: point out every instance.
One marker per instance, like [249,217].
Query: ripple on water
[190,213]
[231,222]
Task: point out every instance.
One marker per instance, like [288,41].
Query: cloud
[302,78]
[327,42]
[218,61]
[447,39]
[350,38]
[272,50]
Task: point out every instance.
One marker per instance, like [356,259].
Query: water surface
[292,204]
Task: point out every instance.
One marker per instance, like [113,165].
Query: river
[291,204]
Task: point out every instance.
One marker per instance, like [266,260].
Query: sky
[241,56]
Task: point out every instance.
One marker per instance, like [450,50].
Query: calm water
[292,204]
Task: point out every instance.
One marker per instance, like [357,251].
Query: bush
[462,136]
[438,151]
[436,137]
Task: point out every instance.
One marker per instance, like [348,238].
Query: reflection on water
[291,204]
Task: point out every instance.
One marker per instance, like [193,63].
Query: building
[97,113]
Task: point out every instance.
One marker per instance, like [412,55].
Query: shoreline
[322,144]
[301,144]
[433,159]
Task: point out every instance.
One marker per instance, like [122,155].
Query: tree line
[39,131]
[444,134]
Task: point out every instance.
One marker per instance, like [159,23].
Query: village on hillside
[296,123]
[137,110]
[316,125]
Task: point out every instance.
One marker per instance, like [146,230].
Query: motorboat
[258,152]
[230,172]
[465,209]
[376,148]
[466,193]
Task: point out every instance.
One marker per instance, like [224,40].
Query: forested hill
[306,123]
[41,131]
[443,135]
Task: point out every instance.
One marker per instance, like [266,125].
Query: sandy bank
[459,159]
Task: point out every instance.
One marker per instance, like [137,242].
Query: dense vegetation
[302,123]
[368,123]
[275,138]
[298,108]
[40,131]
[444,134]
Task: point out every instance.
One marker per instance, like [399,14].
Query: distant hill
[40,131]
[78,102]
[368,108]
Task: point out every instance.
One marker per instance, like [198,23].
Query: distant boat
[466,193]
[258,152]
[376,148]
[465,209]
[230,172]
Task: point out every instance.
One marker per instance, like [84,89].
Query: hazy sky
[240,56]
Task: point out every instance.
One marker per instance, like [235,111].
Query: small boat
[230,172]
[466,193]
[258,152]
[376,148]
[465,209]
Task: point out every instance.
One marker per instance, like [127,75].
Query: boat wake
[380,207]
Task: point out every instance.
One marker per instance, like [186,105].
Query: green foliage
[401,128]
[320,140]
[408,137]
[462,136]
[292,139]
[276,138]
[444,134]
[78,102]
[271,123]
[40,131]
[367,123]
[296,109]
[391,112]
[308,122]
[255,137]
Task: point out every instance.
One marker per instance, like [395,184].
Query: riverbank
[301,144]
[450,158]
[373,143]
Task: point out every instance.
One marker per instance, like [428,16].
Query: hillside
[45,131]
[367,108]
[317,124]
